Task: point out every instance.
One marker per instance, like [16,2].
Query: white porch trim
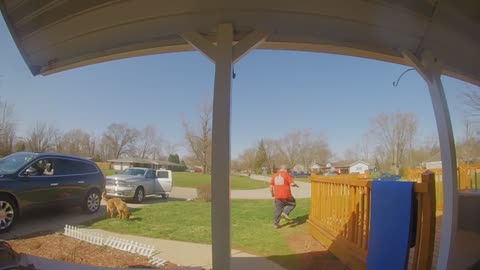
[224,54]
[430,72]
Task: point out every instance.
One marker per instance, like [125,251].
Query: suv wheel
[139,195]
[92,201]
[8,213]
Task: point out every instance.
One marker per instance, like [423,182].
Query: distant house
[358,167]
[346,167]
[299,168]
[315,168]
[124,163]
[434,162]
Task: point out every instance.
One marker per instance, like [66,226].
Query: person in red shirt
[284,201]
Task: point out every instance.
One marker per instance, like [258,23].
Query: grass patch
[194,180]
[252,226]
[302,179]
[108,172]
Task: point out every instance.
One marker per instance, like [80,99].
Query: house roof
[315,166]
[133,160]
[143,161]
[359,161]
[54,35]
[345,163]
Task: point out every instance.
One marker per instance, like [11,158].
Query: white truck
[137,183]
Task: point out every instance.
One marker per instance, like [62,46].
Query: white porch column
[430,71]
[224,54]
[221,149]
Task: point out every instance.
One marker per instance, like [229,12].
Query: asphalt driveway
[49,220]
[54,220]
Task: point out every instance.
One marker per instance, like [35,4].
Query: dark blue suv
[31,180]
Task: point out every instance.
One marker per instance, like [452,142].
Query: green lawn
[194,180]
[252,228]
[302,179]
[108,172]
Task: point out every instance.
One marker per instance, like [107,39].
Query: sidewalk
[304,190]
[190,254]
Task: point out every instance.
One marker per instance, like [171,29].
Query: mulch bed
[311,255]
[62,248]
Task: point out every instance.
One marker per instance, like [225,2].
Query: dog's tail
[104,196]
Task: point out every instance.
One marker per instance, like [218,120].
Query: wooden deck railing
[468,179]
[340,218]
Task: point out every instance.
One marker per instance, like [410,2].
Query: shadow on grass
[295,222]
[151,200]
[105,217]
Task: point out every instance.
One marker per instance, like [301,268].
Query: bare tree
[119,139]
[471,98]
[421,152]
[147,143]
[395,134]
[7,128]
[41,138]
[78,142]
[199,140]
[246,160]
[290,148]
[170,148]
[272,148]
[468,148]
[361,150]
[313,148]
[102,150]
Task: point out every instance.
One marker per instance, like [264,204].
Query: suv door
[36,186]
[75,179]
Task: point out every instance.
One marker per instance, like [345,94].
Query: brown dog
[122,209]
[116,203]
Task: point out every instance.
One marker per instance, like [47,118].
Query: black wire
[395,83]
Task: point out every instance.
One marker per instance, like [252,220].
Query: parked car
[32,180]
[300,174]
[388,177]
[136,183]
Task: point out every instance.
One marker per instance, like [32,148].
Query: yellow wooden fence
[468,179]
[340,218]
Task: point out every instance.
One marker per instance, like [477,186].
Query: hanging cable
[395,83]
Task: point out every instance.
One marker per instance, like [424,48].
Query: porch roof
[57,35]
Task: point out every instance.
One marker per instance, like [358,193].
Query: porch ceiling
[55,35]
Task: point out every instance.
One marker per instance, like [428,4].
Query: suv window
[150,174]
[41,167]
[162,174]
[69,166]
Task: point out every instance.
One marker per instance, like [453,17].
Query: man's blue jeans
[283,205]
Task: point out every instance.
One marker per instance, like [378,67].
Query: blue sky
[274,93]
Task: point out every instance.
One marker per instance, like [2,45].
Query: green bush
[204,193]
